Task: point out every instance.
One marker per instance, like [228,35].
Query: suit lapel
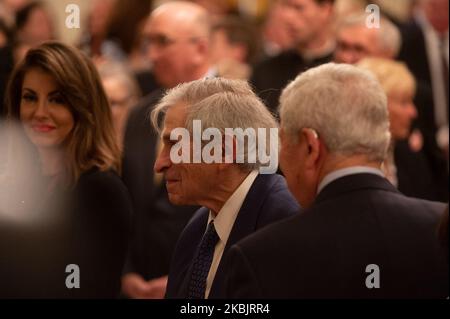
[245,224]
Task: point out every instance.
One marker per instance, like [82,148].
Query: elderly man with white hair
[355,40]
[417,151]
[177,38]
[233,179]
[358,236]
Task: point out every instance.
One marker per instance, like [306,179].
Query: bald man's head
[188,18]
[178,34]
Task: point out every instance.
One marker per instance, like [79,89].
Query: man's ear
[312,144]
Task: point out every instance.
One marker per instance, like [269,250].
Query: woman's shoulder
[96,176]
[98,181]
[103,191]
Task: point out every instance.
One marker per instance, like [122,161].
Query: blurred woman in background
[407,167]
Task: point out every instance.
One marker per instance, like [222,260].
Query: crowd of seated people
[88,148]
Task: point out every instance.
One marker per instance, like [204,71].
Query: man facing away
[358,236]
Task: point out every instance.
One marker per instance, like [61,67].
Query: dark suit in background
[267,201]
[356,220]
[416,175]
[6,67]
[271,76]
[414,53]
[156,223]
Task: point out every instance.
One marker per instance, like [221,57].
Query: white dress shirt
[224,221]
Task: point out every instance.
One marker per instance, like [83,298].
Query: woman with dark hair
[56,95]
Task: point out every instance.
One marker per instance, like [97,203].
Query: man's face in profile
[355,43]
[186,183]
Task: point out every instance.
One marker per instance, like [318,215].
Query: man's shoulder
[284,59]
[198,221]
[368,190]
[272,189]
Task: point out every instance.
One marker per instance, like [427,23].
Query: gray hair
[389,37]
[345,105]
[220,103]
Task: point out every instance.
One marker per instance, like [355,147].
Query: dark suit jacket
[356,221]
[156,222]
[414,53]
[267,201]
[271,76]
[416,175]
[91,231]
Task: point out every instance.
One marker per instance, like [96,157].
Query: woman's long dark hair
[92,141]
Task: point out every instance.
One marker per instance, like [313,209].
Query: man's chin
[176,200]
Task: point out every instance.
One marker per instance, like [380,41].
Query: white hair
[345,105]
[219,103]
[389,37]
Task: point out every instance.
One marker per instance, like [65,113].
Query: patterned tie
[202,263]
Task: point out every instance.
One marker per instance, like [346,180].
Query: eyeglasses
[162,41]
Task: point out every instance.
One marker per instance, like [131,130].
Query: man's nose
[162,162]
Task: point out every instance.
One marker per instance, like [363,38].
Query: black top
[89,228]
[416,175]
[271,76]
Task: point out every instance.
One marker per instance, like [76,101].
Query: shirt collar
[224,220]
[345,172]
